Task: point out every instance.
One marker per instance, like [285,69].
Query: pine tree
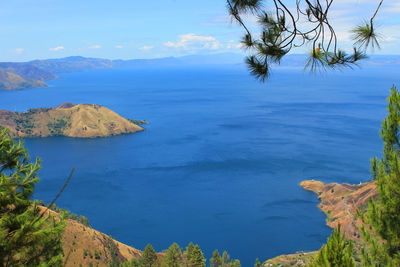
[188,254]
[235,263]
[257,264]
[28,237]
[216,260]
[382,219]
[173,256]
[196,257]
[225,259]
[338,252]
[149,257]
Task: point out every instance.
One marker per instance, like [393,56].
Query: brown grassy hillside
[83,120]
[84,245]
[340,203]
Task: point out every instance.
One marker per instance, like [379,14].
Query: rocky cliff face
[340,203]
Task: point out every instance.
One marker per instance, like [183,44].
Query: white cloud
[94,47]
[57,48]
[392,8]
[146,48]
[119,46]
[19,50]
[192,41]
[233,45]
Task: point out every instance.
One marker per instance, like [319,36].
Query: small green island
[81,121]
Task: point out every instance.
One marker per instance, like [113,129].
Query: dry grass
[340,203]
[80,244]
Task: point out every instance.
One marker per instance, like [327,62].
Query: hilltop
[15,76]
[82,120]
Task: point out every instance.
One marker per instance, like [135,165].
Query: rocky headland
[340,203]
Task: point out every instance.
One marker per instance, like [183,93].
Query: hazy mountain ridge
[33,73]
[78,63]
[14,76]
[72,64]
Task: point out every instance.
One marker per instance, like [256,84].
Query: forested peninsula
[81,121]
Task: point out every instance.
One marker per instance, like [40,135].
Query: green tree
[28,235]
[149,257]
[173,256]
[225,259]
[338,252]
[381,229]
[188,254]
[216,260]
[257,264]
[235,263]
[198,259]
[83,220]
[193,256]
[132,263]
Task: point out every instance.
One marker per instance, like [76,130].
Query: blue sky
[127,29]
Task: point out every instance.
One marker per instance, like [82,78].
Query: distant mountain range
[34,73]
[21,75]
[77,63]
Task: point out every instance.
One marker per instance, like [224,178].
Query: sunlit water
[222,158]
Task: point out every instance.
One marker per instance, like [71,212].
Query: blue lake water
[222,158]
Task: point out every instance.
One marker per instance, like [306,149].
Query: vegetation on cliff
[378,220]
[83,120]
[338,252]
[367,214]
[340,203]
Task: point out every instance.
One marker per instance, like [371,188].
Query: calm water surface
[222,158]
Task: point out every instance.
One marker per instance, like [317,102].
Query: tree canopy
[297,23]
[381,229]
[338,252]
[28,235]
